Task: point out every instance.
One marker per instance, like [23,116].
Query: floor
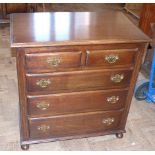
[140,125]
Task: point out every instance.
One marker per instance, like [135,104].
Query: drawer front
[74,102]
[110,57]
[74,81]
[43,62]
[78,124]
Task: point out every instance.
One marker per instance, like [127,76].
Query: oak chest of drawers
[76,73]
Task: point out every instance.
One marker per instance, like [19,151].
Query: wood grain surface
[78,81]
[74,124]
[81,27]
[65,103]
[73,28]
[140,125]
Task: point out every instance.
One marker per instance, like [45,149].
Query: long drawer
[63,103]
[76,124]
[80,80]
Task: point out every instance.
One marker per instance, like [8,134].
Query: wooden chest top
[73,28]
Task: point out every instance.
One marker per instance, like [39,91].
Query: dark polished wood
[119,135]
[98,57]
[125,53]
[78,28]
[86,101]
[53,61]
[22,96]
[74,124]
[77,82]
[25,147]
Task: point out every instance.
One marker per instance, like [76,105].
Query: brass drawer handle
[117,78]
[112,99]
[43,83]
[53,61]
[43,128]
[43,105]
[108,121]
[111,58]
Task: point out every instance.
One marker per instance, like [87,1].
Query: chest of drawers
[76,73]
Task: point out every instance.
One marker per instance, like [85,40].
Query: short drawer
[56,104]
[47,62]
[80,80]
[109,58]
[77,124]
